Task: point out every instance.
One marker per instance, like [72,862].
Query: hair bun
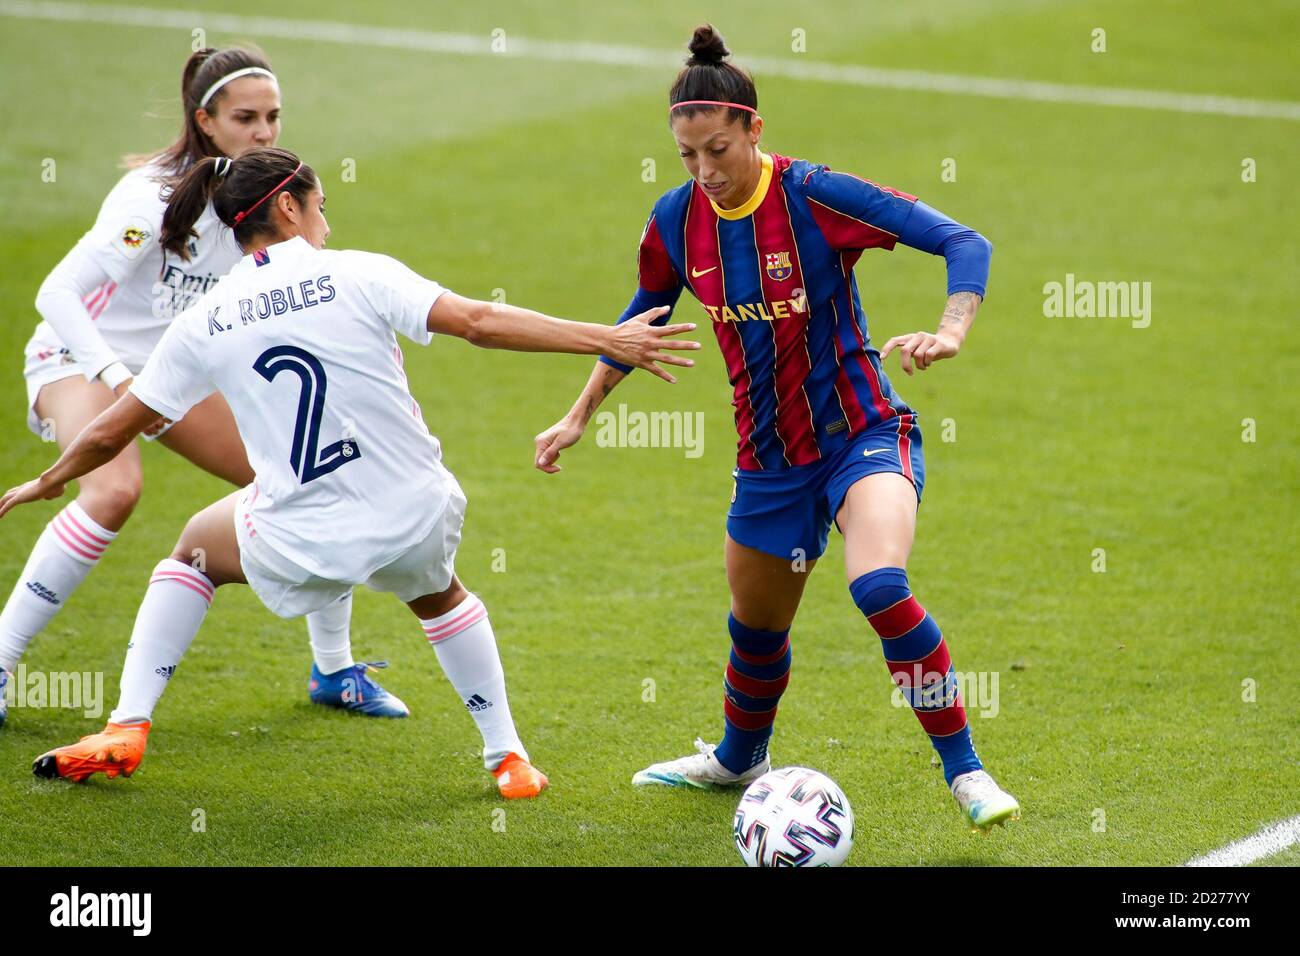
[707,47]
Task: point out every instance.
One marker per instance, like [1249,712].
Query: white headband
[246,71]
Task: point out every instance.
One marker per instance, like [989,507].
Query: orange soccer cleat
[118,748]
[517,778]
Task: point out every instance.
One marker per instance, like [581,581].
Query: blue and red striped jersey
[776,278]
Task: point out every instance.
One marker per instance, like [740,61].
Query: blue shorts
[789,513]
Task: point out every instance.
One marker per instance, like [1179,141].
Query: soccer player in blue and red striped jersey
[767,244]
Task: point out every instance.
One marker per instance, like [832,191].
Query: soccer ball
[794,817]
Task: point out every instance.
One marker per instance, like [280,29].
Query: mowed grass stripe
[623,56]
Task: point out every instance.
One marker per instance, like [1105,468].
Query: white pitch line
[468,44]
[1274,838]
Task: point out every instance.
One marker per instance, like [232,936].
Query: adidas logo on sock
[166,672]
[478,703]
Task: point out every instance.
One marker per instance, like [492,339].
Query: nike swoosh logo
[874,451]
[696,273]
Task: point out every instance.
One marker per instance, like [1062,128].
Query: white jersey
[301,343]
[145,288]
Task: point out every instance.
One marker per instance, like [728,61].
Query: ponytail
[188,199]
[242,192]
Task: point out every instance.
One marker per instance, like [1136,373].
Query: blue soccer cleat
[4,703]
[353,689]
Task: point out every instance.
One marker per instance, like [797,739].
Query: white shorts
[47,361]
[291,591]
[43,363]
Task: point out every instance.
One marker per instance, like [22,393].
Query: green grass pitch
[1124,725]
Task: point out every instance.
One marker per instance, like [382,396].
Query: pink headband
[734,106]
[241,216]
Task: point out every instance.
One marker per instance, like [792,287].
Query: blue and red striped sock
[918,661]
[757,674]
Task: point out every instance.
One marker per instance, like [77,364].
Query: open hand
[637,342]
[32,491]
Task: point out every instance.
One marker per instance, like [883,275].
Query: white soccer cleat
[701,770]
[983,803]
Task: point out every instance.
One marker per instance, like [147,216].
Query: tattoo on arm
[960,305]
[593,402]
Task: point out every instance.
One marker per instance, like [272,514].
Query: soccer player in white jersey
[350,487]
[105,307]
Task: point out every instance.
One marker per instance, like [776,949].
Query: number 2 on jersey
[307,459]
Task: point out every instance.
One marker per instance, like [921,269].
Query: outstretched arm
[494,325]
[658,289]
[607,374]
[98,443]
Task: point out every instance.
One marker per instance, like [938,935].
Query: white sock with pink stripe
[467,650]
[170,615]
[67,550]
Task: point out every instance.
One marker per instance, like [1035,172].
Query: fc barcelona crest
[778,266]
